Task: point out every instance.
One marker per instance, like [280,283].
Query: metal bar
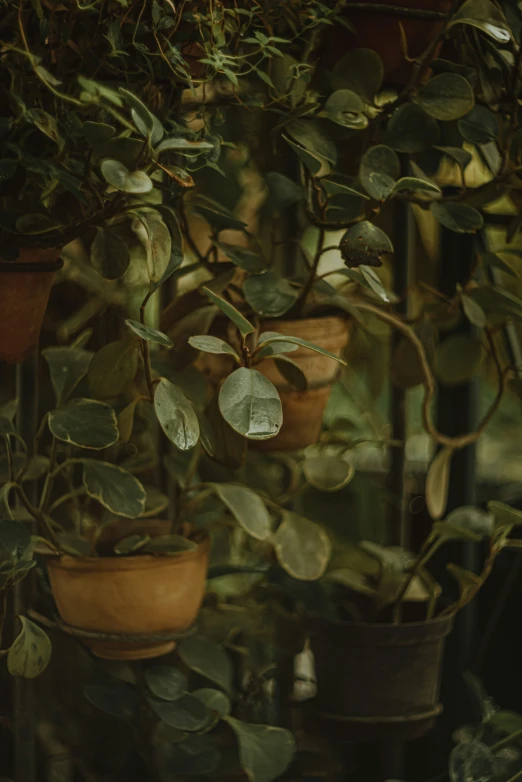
[404,242]
[23,696]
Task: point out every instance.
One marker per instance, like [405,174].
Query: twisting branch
[429,381]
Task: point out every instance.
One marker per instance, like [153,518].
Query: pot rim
[134,562]
[381,626]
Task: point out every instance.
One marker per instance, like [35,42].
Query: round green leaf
[447,96]
[328,473]
[378,170]
[184,146]
[209,344]
[214,700]
[149,334]
[176,415]
[85,423]
[485,16]
[457,217]
[361,71]
[412,184]
[282,193]
[458,359]
[95,132]
[411,130]
[265,752]
[156,240]
[110,255]
[166,682]
[67,367]
[208,659]
[115,488]
[31,651]
[119,176]
[345,108]
[269,294]
[479,126]
[302,547]
[250,404]
[363,245]
[112,369]
[131,544]
[170,545]
[15,539]
[247,507]
[473,311]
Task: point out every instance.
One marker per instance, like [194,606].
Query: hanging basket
[25,285]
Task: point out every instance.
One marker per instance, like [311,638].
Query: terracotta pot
[303,410]
[23,301]
[382,32]
[379,677]
[137,595]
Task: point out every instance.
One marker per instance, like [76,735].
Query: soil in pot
[23,301]
[141,595]
[379,676]
[303,410]
[381,32]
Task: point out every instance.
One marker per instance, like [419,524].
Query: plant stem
[505,741]
[146,349]
[49,478]
[37,515]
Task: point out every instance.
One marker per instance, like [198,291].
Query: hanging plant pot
[137,602]
[303,410]
[25,285]
[381,31]
[381,679]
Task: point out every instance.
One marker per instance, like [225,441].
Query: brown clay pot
[381,32]
[137,595]
[303,410]
[379,677]
[23,301]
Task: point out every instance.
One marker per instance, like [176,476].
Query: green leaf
[250,404]
[282,193]
[316,151]
[112,369]
[361,71]
[302,547]
[119,176]
[95,132]
[458,359]
[457,217]
[505,515]
[230,311]
[117,700]
[327,473]
[446,531]
[35,223]
[492,259]
[166,682]
[275,348]
[485,16]
[472,519]
[480,126]
[217,215]
[507,722]
[437,483]
[110,255]
[155,238]
[67,367]
[411,130]
[287,338]
[85,423]
[185,713]
[345,108]
[176,415]
[265,752]
[373,281]
[378,171]
[409,183]
[247,508]
[461,156]
[170,545]
[31,651]
[245,259]
[183,145]
[269,294]
[15,539]
[364,244]
[115,488]
[214,700]
[47,124]
[291,372]
[149,334]
[447,96]
[473,311]
[209,344]
[145,121]
[468,582]
[208,659]
[131,544]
